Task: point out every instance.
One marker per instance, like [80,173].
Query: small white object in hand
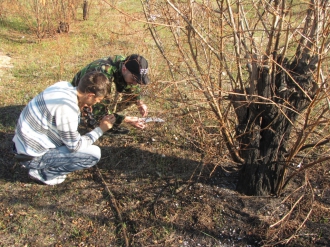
[152,119]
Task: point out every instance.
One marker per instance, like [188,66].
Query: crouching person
[47,129]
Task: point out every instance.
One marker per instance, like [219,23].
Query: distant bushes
[43,17]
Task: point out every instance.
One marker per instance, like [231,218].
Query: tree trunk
[264,127]
[85,10]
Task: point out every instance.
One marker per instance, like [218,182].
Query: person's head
[92,88]
[135,70]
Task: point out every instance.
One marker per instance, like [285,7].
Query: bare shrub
[253,76]
[42,17]
[231,65]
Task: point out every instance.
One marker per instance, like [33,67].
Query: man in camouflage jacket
[126,75]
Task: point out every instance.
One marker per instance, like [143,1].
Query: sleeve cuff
[96,133]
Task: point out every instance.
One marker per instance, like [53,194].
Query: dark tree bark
[264,127]
[85,10]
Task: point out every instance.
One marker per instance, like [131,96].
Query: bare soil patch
[142,194]
[5,64]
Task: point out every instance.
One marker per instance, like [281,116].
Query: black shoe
[118,131]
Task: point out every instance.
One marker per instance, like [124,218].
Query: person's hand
[135,122]
[143,109]
[107,122]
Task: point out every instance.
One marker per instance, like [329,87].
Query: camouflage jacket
[111,67]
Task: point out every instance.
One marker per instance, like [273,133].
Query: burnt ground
[148,190]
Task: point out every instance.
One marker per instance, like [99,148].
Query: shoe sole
[39,181]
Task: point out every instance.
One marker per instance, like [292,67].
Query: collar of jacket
[119,79]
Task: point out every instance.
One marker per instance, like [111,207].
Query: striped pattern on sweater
[51,120]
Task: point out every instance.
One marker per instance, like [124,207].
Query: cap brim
[145,79]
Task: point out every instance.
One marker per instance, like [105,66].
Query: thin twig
[115,205]
[306,218]
[289,213]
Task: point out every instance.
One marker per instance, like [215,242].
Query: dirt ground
[139,195]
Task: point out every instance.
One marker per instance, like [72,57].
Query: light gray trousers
[60,161]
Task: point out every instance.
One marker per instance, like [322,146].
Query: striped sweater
[51,120]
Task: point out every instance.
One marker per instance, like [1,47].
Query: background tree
[251,75]
[85,10]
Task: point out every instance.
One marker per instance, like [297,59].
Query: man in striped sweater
[47,129]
